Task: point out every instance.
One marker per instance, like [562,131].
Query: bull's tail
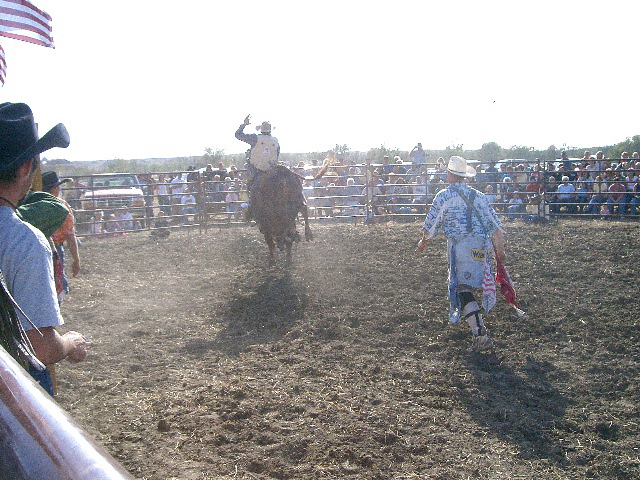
[331,158]
[325,166]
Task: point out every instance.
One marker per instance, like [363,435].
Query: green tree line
[488,151]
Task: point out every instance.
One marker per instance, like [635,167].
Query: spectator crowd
[592,185]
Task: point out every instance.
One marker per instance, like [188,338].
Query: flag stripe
[21,20]
[25,39]
[3,66]
[18,25]
[27,15]
[26,5]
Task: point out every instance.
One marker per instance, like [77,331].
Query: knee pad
[466,298]
[472,313]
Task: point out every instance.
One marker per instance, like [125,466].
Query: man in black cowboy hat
[25,254]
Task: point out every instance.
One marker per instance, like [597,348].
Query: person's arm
[422,244]
[497,238]
[50,347]
[250,138]
[72,244]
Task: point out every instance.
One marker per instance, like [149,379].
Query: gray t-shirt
[27,267]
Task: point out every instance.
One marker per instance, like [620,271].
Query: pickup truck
[110,191]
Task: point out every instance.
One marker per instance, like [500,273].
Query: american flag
[488,289]
[21,20]
[506,286]
[3,66]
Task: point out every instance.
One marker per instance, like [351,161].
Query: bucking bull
[277,200]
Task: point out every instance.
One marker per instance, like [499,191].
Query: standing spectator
[522,177]
[208,174]
[221,170]
[164,195]
[600,163]
[387,167]
[192,175]
[73,192]
[623,164]
[566,162]
[25,254]
[550,171]
[471,226]
[65,234]
[148,186]
[418,155]
[492,174]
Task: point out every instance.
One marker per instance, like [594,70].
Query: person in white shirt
[25,254]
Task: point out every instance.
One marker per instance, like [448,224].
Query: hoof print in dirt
[607,430]
[164,426]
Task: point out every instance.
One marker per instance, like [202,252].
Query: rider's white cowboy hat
[265,127]
[458,166]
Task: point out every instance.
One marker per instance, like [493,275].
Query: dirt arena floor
[208,364]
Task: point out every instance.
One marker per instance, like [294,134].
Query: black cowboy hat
[50,180]
[19,136]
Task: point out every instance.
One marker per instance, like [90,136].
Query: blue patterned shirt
[450,212]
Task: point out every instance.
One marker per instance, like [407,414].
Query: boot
[481,343]
[481,339]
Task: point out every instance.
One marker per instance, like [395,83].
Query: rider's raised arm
[250,138]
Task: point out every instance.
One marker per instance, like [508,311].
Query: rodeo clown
[263,155]
[471,226]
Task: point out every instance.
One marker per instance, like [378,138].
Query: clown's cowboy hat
[458,166]
[19,136]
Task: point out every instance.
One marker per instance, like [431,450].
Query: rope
[12,336]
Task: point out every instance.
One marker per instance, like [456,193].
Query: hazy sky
[143,78]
